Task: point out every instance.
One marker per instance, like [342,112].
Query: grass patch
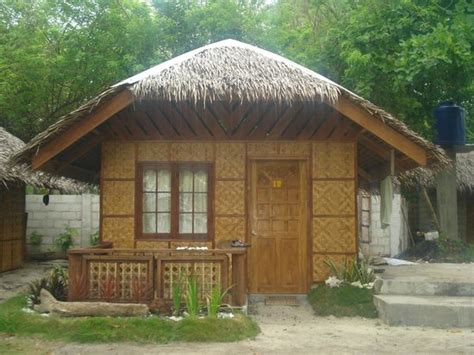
[107,329]
[343,301]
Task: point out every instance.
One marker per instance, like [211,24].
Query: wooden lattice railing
[144,275]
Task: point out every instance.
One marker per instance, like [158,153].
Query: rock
[77,309]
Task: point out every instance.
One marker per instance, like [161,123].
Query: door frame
[309,210]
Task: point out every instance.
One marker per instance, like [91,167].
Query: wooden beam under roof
[381,130]
[81,128]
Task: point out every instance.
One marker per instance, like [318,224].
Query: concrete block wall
[387,240]
[80,212]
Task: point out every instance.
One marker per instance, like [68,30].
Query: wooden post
[239,280]
[75,277]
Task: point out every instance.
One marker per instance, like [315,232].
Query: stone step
[431,311]
[417,287]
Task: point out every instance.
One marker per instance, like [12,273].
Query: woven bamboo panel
[333,160]
[230,197]
[334,235]
[6,251]
[12,200]
[332,197]
[203,152]
[118,197]
[17,253]
[153,151]
[320,270]
[118,160]
[208,274]
[295,149]
[119,280]
[229,228]
[230,160]
[119,231]
[141,244]
[262,149]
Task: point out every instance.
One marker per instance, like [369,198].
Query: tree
[56,54]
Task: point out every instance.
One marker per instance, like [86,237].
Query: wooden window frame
[174,234]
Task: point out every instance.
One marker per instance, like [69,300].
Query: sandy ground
[284,330]
[15,281]
[289,330]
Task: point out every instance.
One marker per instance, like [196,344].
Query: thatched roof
[427,177]
[14,173]
[231,70]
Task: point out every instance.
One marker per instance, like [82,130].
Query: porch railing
[146,275]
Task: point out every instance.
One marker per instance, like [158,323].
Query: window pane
[185,223]
[164,180]
[164,222]
[149,180]
[200,223]
[149,202]
[200,181]
[185,180]
[149,223]
[200,202]
[186,202]
[164,202]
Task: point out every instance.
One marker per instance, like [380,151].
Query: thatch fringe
[233,71]
[11,173]
[427,177]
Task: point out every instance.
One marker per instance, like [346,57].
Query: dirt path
[15,281]
[292,330]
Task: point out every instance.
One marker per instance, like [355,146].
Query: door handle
[254,232]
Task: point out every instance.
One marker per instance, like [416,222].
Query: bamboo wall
[333,185]
[12,226]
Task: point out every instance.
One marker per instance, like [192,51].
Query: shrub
[36,239]
[56,282]
[94,239]
[65,240]
[351,270]
[192,297]
[214,300]
[177,295]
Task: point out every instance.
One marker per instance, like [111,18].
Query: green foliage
[122,329]
[177,294]
[56,282]
[351,270]
[214,300]
[192,297]
[344,301]
[405,56]
[35,238]
[65,240]
[94,239]
[54,55]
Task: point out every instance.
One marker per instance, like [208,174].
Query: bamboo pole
[430,205]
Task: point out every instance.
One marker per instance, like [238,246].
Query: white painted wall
[80,212]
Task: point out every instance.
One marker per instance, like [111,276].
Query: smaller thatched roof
[21,173]
[427,177]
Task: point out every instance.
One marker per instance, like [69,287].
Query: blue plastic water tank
[450,127]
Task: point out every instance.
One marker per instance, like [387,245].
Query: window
[174,201]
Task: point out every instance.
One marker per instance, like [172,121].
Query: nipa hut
[227,142]
[13,180]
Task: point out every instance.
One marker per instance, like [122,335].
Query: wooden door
[278,227]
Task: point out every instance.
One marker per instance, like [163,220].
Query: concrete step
[432,311]
[423,287]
